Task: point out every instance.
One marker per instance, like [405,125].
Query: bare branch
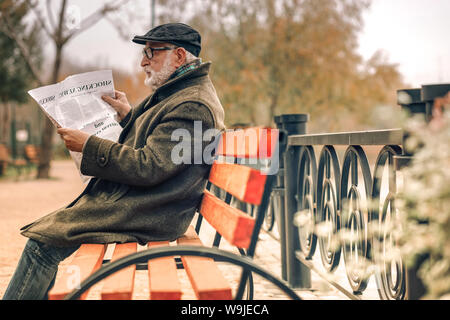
[59,30]
[40,18]
[51,19]
[8,30]
[120,27]
[95,17]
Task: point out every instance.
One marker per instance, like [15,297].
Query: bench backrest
[246,183]
[4,153]
[31,153]
[240,181]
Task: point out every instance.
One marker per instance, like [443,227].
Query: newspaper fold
[76,103]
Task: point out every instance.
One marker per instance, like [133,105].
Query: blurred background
[341,61]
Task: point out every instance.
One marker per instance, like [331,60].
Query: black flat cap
[179,34]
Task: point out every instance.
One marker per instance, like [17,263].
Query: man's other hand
[74,139]
[119,103]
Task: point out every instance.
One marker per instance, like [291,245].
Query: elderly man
[138,194]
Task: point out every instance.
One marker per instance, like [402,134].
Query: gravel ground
[26,200]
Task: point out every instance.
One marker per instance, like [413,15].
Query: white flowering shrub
[424,204]
[417,221]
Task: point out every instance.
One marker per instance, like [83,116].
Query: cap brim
[195,50]
[143,40]
[140,40]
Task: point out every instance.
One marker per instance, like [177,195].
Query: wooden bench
[31,154]
[6,160]
[199,262]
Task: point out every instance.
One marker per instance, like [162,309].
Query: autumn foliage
[291,56]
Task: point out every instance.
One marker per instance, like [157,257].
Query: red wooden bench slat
[234,225]
[162,275]
[88,259]
[248,143]
[119,285]
[243,182]
[206,278]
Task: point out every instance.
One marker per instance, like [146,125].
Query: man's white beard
[157,79]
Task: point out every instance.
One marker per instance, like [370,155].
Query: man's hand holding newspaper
[83,105]
[119,103]
[75,139]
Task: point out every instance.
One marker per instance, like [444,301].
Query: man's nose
[144,61]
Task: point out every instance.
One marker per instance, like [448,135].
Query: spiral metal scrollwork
[306,195]
[391,274]
[328,205]
[349,212]
[355,216]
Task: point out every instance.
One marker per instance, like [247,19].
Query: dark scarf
[186,67]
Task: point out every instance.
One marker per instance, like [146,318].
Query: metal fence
[332,202]
[328,199]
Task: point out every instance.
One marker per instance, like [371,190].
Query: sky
[411,33]
[414,34]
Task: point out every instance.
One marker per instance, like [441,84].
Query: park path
[26,200]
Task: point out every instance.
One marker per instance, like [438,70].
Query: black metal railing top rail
[371,137]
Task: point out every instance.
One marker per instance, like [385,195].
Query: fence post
[278,202]
[297,275]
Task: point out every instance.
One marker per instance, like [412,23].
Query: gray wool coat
[139,194]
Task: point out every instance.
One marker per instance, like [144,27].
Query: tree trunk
[48,131]
[5,121]
[45,154]
[49,128]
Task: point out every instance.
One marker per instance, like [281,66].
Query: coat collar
[181,82]
[185,80]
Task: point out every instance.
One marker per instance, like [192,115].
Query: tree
[290,56]
[59,32]
[14,76]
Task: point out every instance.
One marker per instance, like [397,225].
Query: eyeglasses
[149,51]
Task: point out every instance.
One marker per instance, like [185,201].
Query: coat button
[102,159]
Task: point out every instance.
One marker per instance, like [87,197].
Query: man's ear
[180,57]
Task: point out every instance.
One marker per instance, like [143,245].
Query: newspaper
[76,103]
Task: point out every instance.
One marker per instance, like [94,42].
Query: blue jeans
[36,272]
